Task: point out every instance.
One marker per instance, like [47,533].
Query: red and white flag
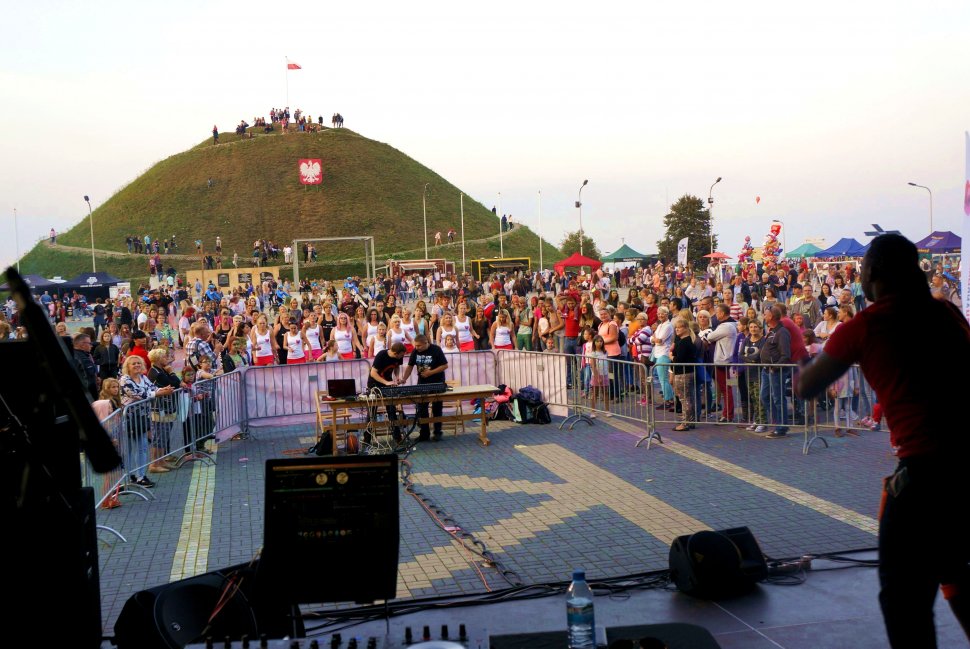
[290,65]
[311,171]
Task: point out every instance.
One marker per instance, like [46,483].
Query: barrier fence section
[755,397]
[286,394]
[543,370]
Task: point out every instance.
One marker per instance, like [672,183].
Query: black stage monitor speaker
[717,564]
[331,529]
[176,614]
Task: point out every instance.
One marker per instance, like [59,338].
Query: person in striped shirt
[736,309]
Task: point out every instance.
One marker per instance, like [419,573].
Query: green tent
[624,253]
[804,250]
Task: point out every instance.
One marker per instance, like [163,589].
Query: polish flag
[290,65]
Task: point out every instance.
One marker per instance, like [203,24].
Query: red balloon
[757,199]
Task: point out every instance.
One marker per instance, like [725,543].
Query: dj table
[457,393]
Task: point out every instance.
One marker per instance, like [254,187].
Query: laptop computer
[341,388]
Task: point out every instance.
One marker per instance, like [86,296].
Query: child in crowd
[448,345]
[585,372]
[600,373]
[330,353]
[549,344]
[812,346]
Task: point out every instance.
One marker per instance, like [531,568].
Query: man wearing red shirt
[922,542]
[569,313]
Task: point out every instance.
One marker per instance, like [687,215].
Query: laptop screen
[340,388]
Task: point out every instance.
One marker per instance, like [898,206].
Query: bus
[482,269]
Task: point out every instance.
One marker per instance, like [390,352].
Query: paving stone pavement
[542,500]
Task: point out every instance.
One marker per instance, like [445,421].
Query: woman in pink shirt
[610,333]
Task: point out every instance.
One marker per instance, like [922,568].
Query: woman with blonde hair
[136,390]
[108,401]
[447,328]
[164,409]
[684,350]
[395,333]
[500,333]
[264,342]
[345,336]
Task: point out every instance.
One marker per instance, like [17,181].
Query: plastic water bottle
[579,613]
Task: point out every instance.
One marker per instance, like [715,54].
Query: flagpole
[287,77]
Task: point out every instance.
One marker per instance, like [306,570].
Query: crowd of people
[283,119]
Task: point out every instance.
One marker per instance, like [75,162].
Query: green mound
[368,189]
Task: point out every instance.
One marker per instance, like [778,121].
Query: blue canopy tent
[940,243]
[844,247]
[35,282]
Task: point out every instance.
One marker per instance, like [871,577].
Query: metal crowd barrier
[758,398]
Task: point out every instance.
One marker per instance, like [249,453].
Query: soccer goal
[370,255]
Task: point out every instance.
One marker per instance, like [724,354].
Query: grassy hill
[369,188]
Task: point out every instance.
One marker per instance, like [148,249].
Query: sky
[824,111]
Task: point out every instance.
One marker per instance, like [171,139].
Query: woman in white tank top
[447,328]
[500,335]
[408,326]
[295,345]
[378,341]
[395,333]
[264,343]
[311,336]
[345,337]
[466,335]
[370,326]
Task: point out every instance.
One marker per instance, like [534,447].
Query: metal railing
[664,397]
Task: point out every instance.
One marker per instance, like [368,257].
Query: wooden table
[461,392]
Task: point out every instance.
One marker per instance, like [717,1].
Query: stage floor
[545,501]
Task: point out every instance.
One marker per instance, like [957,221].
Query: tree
[570,245]
[687,218]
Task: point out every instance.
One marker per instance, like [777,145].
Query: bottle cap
[579,575]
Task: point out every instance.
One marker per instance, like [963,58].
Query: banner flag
[682,252]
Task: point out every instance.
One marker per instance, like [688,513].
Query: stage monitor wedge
[331,529]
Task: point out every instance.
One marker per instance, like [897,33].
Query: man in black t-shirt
[382,374]
[431,363]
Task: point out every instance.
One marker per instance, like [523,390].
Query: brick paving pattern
[543,500]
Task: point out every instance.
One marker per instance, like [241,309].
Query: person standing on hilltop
[437,238]
[219,245]
[53,237]
[215,134]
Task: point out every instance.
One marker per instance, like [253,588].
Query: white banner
[682,252]
[964,266]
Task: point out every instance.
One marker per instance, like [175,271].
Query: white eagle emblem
[310,170]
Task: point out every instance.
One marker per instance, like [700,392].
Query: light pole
[540,230]
[87,200]
[579,206]
[16,237]
[424,210]
[501,229]
[710,211]
[931,202]
[461,203]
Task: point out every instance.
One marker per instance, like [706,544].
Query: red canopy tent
[576,260]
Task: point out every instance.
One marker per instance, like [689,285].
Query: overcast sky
[824,110]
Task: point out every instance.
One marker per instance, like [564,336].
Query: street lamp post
[579,206]
[16,237]
[540,231]
[931,202]
[710,211]
[424,210]
[501,229]
[461,203]
[87,200]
